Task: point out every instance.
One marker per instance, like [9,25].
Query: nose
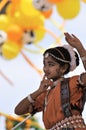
[46,69]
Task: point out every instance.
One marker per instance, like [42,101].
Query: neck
[58,80]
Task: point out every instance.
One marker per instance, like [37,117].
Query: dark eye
[51,64]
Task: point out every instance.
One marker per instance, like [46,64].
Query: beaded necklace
[48,91]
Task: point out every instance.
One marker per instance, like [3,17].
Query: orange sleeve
[39,103]
[75,92]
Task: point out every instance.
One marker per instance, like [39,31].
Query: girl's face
[52,69]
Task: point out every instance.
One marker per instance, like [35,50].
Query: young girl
[61,99]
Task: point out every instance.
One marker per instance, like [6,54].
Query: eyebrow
[50,62]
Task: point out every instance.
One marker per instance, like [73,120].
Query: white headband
[48,53]
[72,55]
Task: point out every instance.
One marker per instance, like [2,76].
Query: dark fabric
[67,128]
[65,98]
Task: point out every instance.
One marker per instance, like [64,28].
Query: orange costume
[53,113]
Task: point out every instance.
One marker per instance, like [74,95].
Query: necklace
[46,99]
[48,91]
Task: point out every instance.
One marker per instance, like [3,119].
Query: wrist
[81,51]
[30,99]
[83,58]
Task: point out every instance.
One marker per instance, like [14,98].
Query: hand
[73,40]
[45,83]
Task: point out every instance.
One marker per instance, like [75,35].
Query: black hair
[77,58]
[62,53]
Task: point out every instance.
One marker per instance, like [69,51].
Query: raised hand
[76,43]
[73,40]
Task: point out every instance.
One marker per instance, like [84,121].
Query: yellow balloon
[68,9]
[27,16]
[27,8]
[29,22]
[4,22]
[39,35]
[10,50]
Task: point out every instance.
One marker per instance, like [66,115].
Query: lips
[47,74]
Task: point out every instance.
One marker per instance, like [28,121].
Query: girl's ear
[64,68]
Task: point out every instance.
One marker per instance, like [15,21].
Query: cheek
[57,71]
[54,71]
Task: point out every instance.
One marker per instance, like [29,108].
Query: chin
[49,77]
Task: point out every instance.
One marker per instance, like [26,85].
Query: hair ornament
[50,54]
[46,55]
[72,55]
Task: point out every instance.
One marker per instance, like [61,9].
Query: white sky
[25,78]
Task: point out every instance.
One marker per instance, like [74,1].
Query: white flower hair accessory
[72,55]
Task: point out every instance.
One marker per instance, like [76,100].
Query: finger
[51,80]
[74,36]
[44,77]
[67,34]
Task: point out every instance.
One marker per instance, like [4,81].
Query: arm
[76,43]
[27,104]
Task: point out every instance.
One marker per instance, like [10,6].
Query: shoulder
[73,81]
[74,78]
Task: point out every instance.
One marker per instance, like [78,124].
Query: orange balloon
[11,8]
[14,32]
[47,14]
[84,1]
[16,2]
[54,1]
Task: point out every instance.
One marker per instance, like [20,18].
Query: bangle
[30,99]
[83,58]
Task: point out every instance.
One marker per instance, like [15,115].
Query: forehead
[49,59]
